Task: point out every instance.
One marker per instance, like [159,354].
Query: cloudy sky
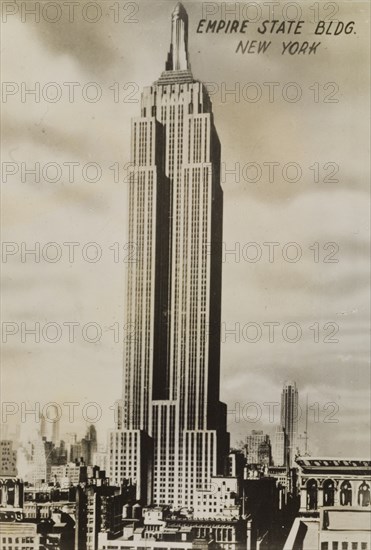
[322,137]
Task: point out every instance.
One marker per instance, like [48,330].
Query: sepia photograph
[185,267]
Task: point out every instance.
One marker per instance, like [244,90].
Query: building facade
[11,492]
[345,529]
[8,458]
[158,528]
[18,535]
[335,505]
[32,462]
[279,447]
[171,408]
[333,482]
[258,448]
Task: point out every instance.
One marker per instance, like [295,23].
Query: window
[328,492]
[364,495]
[312,494]
[346,494]
[324,546]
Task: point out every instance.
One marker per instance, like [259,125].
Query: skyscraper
[289,419]
[49,425]
[172,430]
[279,447]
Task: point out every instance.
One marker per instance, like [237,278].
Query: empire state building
[171,436]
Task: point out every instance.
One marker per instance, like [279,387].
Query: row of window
[346,494]
[345,545]
[17,540]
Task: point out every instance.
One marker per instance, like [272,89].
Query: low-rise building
[159,527]
[220,499]
[11,492]
[17,534]
[345,529]
[72,473]
[336,528]
[172,540]
[335,505]
[99,507]
[333,482]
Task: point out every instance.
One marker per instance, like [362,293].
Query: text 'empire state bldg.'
[171,437]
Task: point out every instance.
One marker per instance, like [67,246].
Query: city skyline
[250,415]
[253,370]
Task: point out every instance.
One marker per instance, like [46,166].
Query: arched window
[10,483]
[346,494]
[312,494]
[364,494]
[328,492]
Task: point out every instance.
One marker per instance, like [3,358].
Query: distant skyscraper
[265,452]
[89,445]
[173,434]
[279,447]
[32,462]
[302,445]
[49,425]
[257,448]
[289,419]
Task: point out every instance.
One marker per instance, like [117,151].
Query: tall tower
[49,425]
[289,420]
[171,412]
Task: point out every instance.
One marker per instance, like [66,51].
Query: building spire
[178,56]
